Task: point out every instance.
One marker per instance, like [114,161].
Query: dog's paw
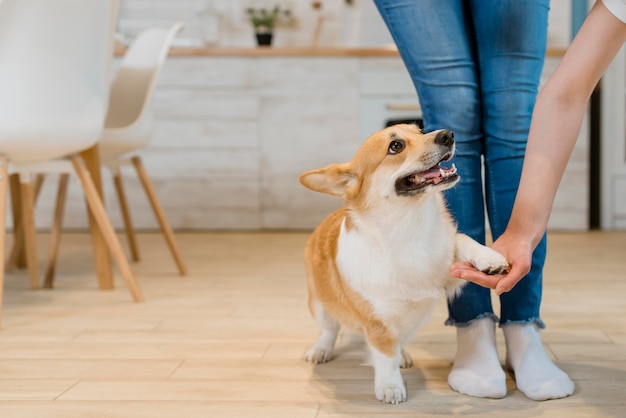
[391,393]
[406,362]
[490,262]
[318,355]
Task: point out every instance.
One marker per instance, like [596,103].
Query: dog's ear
[335,179]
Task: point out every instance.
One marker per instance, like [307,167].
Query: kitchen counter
[383,51]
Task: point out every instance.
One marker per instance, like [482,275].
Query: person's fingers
[467,272]
[511,279]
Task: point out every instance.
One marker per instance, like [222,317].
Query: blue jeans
[476,66]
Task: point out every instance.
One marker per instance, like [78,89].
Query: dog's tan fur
[338,298]
[380,263]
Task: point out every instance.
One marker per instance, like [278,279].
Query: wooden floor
[228,340]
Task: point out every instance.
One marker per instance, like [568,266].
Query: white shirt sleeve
[617,7]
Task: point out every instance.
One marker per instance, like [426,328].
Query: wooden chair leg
[4,180]
[104,224]
[128,222]
[100,250]
[160,215]
[28,226]
[55,232]
[17,256]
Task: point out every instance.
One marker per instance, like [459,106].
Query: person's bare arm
[556,121]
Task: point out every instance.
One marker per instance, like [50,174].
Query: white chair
[54,73]
[129,127]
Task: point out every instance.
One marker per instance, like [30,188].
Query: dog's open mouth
[415,182]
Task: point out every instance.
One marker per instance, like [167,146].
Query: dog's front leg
[483,258]
[388,384]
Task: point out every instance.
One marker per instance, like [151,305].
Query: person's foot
[536,375]
[476,370]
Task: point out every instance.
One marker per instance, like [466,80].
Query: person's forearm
[554,130]
[557,118]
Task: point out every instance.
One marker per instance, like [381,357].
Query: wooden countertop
[382,51]
[287,52]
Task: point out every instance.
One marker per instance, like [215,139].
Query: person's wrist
[524,233]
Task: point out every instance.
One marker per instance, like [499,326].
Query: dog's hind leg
[407,361]
[322,350]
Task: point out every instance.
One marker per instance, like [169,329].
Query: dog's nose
[445,137]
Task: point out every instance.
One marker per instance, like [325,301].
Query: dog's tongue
[434,173]
[437,174]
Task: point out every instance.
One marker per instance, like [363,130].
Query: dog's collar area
[416,182]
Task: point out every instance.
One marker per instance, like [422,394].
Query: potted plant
[263,20]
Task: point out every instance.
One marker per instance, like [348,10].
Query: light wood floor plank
[152,409]
[228,340]
[33,389]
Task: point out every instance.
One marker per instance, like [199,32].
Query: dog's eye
[395,146]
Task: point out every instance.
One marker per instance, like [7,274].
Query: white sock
[477,370]
[536,375]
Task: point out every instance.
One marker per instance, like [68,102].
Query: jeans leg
[511,55]
[436,42]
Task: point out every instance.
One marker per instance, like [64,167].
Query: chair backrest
[136,77]
[54,75]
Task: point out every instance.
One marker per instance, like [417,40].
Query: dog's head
[399,161]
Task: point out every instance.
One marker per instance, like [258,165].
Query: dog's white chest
[396,266]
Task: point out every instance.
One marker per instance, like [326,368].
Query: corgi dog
[380,263]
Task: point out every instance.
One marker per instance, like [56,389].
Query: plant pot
[264,39]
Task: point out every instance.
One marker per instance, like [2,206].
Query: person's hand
[466,271]
[518,252]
